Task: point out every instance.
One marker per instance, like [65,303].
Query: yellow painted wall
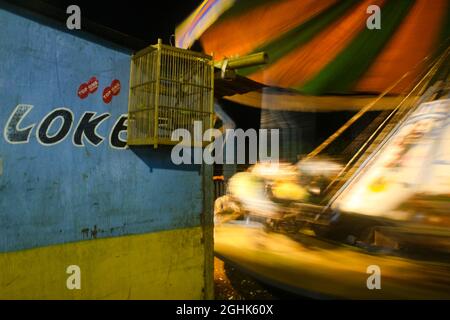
[162,265]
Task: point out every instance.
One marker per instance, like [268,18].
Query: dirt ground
[232,284]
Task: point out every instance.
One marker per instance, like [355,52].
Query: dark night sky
[146,20]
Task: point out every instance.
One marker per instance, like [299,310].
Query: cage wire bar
[170,88]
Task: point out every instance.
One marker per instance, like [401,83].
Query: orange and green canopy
[322,47]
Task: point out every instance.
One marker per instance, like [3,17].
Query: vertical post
[130,112]
[207,215]
[209,203]
[211,107]
[207,220]
[157,89]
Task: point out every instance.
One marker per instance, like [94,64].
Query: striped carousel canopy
[324,47]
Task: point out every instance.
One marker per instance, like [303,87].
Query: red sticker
[83,91]
[92,84]
[115,87]
[107,95]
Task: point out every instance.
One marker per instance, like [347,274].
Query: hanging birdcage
[170,88]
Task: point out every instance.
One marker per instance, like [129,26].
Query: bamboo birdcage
[170,88]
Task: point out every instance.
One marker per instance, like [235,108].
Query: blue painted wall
[63,193]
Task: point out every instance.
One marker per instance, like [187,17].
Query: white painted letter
[241,135]
[12,133]
[198,142]
[274,145]
[184,146]
[374,281]
[216,146]
[74,20]
[374,21]
[74,280]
